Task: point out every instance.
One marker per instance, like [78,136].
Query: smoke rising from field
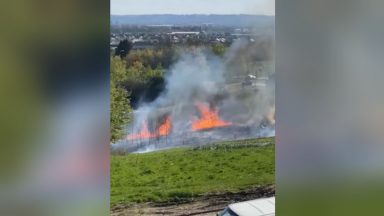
[226,84]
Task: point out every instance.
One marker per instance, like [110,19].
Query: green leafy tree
[118,71]
[120,112]
[218,49]
[119,99]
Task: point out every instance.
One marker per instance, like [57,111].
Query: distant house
[114,42]
[142,45]
[185,33]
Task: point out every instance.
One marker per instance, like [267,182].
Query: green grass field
[183,173]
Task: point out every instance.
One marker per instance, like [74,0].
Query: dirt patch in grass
[205,205]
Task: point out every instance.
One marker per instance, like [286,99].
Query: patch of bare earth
[205,205]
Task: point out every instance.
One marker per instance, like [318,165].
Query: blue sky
[125,7]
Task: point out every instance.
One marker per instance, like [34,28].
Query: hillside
[184,173]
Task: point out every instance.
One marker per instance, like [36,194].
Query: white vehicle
[258,207]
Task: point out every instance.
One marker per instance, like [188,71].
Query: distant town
[151,36]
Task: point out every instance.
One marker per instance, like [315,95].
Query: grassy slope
[185,172]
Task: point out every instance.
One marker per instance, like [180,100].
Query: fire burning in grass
[163,130]
[209,118]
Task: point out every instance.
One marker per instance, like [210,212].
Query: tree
[218,49]
[120,105]
[120,112]
[118,72]
[123,48]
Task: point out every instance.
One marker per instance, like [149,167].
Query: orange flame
[144,133]
[163,130]
[209,119]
